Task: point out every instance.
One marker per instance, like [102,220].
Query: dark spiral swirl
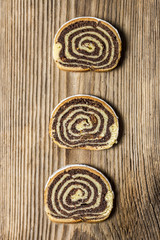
[87,44]
[78,193]
[84,122]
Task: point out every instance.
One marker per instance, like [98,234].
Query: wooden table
[32,85]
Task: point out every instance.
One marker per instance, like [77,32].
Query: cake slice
[78,193]
[87,43]
[84,121]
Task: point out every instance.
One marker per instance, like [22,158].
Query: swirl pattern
[84,121]
[78,193]
[84,44]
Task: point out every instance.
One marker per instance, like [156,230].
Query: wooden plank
[31,85]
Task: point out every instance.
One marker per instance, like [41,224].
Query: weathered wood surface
[31,86]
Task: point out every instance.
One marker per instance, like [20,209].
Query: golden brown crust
[80,166]
[92,98]
[70,69]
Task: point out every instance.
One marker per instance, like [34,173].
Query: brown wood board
[31,86]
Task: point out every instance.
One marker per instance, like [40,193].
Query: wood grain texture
[31,86]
